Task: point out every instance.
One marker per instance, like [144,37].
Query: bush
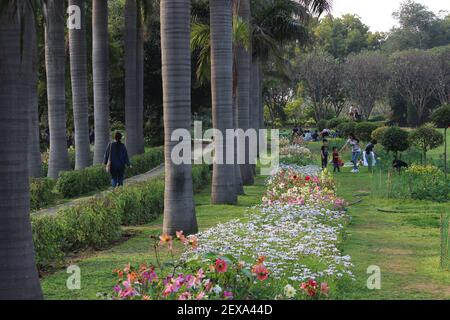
[41,193]
[378,118]
[346,128]
[427,183]
[363,130]
[75,183]
[96,223]
[426,138]
[395,140]
[378,133]
[335,122]
[322,124]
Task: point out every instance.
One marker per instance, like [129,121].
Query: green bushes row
[362,130]
[75,183]
[97,222]
[42,193]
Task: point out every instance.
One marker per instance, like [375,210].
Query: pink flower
[260,271]
[185,296]
[228,295]
[200,296]
[324,288]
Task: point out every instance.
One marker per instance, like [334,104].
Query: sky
[377,14]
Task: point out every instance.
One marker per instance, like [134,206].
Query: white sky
[377,14]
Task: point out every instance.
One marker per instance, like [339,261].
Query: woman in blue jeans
[356,151]
[117,155]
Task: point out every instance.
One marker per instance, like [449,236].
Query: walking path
[157,171]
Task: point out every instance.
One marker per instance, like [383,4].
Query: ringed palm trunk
[131,86]
[140,83]
[30,58]
[78,72]
[100,62]
[237,169]
[255,99]
[223,181]
[18,273]
[179,208]
[243,61]
[55,64]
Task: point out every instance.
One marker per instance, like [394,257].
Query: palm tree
[179,208]
[78,72]
[100,62]
[223,181]
[140,76]
[131,85]
[243,62]
[55,65]
[18,274]
[30,58]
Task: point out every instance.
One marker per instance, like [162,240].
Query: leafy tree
[395,140]
[441,118]
[426,138]
[366,79]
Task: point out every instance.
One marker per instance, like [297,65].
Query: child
[324,154]
[336,160]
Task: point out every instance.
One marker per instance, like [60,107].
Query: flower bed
[294,240]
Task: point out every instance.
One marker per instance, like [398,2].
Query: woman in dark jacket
[117,155]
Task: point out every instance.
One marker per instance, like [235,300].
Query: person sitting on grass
[324,153]
[336,160]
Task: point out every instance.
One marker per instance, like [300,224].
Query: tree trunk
[100,63]
[256,100]
[445,153]
[140,84]
[30,60]
[243,61]
[78,72]
[131,86]
[55,64]
[179,208]
[223,181]
[237,170]
[18,274]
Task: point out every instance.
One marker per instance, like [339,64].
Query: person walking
[324,153]
[369,155]
[356,151]
[116,159]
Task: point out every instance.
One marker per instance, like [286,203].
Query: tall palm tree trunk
[131,85]
[255,100]
[237,169]
[55,64]
[140,84]
[243,60]
[223,181]
[18,274]
[78,72]
[179,208]
[31,57]
[100,62]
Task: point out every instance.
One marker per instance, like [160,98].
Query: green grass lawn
[405,243]
[96,267]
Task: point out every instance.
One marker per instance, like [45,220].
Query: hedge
[346,128]
[96,223]
[363,130]
[334,122]
[75,183]
[42,193]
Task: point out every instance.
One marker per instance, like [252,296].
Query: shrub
[363,130]
[427,183]
[75,183]
[42,193]
[426,138]
[322,124]
[346,128]
[378,133]
[395,140]
[377,118]
[95,223]
[333,123]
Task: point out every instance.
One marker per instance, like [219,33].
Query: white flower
[217,289]
[289,291]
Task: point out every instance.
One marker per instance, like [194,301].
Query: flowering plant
[211,276]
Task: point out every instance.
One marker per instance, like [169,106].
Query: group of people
[354,113]
[299,136]
[368,156]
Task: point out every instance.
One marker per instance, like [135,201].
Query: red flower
[307,178]
[260,271]
[309,287]
[221,266]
